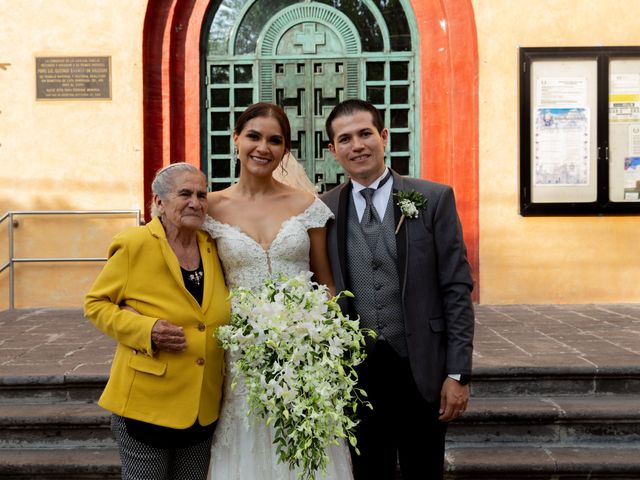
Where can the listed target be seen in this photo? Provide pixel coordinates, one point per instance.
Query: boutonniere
(410, 203)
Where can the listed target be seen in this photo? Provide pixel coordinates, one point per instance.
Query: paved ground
(43, 342)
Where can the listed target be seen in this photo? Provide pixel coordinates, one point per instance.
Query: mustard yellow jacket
(168, 389)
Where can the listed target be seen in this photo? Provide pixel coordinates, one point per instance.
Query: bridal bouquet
(296, 356)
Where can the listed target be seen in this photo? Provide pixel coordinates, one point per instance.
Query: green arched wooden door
(306, 57)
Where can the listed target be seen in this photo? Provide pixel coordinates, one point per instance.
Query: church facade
(96, 96)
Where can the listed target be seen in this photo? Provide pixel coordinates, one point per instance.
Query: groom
(412, 286)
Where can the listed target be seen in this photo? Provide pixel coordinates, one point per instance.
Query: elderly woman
(166, 379)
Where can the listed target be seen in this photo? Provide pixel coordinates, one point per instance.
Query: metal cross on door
(307, 70)
(306, 99)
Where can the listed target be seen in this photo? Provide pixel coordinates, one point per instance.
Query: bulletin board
(624, 130)
(580, 131)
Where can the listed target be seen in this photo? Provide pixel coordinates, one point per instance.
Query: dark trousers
(144, 462)
(402, 425)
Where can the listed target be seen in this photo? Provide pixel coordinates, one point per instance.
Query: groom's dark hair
(349, 107)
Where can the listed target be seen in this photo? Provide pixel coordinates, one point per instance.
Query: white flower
(410, 203)
(408, 208)
(297, 354)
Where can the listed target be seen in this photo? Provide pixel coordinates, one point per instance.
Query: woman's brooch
(410, 203)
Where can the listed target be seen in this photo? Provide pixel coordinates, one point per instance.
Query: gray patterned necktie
(370, 222)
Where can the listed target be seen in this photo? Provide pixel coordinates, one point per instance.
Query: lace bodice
(246, 263)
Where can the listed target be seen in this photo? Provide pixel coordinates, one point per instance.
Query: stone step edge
(538, 408)
(631, 370)
(59, 460)
(601, 458)
(36, 381)
(561, 408)
(463, 459)
(480, 374)
(61, 414)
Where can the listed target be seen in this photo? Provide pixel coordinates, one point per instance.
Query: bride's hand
(332, 291)
(124, 306)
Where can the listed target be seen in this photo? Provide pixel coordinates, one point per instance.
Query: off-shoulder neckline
(239, 230)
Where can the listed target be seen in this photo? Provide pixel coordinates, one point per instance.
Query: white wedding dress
(243, 446)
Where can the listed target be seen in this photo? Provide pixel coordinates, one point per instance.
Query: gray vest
(373, 279)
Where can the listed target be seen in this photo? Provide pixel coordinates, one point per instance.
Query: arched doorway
(307, 56)
(446, 82)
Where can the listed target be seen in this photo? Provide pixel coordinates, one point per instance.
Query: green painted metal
(307, 56)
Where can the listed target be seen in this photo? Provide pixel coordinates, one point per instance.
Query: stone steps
(47, 389)
(60, 464)
(544, 462)
(516, 381)
(560, 419)
(58, 425)
(52, 429)
(547, 419)
(532, 416)
(548, 424)
(533, 431)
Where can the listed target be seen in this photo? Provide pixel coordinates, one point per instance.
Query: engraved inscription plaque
(73, 78)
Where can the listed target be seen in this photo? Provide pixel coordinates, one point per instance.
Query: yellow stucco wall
(71, 155)
(88, 154)
(544, 260)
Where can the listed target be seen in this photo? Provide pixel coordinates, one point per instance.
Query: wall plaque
(73, 78)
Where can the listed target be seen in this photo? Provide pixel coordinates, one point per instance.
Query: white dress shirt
(380, 196)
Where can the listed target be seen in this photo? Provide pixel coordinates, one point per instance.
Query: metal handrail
(13, 260)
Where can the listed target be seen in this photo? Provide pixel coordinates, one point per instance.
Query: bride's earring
(234, 160)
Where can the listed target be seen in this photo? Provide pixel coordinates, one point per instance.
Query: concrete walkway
(59, 342)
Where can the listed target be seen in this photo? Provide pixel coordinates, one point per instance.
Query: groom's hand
(453, 400)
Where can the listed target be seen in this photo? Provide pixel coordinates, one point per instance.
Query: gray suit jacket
(435, 279)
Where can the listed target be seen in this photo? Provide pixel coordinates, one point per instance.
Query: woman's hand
(164, 335)
(168, 337)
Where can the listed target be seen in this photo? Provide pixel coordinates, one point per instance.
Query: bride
(263, 226)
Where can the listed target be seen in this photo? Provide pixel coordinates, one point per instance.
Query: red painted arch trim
(448, 108)
(156, 92)
(171, 84)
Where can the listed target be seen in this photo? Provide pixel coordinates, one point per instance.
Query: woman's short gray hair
(163, 182)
